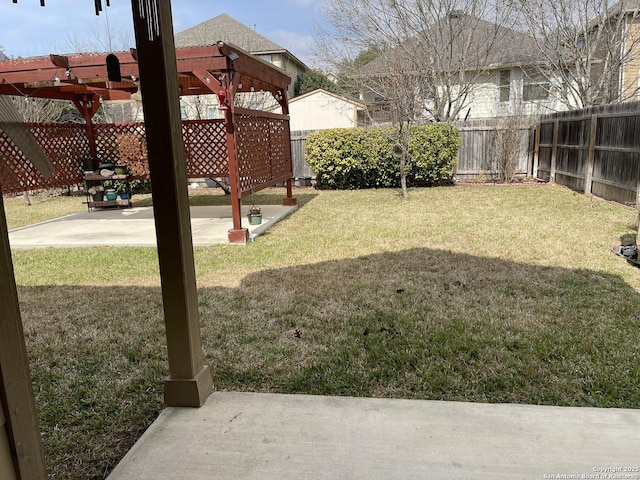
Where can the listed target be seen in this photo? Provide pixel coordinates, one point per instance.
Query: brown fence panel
(597, 151)
(476, 155)
(572, 151)
(298, 150)
(614, 176)
(617, 158)
(484, 142)
(545, 150)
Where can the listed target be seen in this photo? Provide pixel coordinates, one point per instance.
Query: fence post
(591, 153)
(536, 150)
(554, 151)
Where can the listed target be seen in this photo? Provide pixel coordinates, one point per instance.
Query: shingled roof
(485, 45)
(229, 30)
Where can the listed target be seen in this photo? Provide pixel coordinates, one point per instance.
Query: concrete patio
(244, 436)
(135, 227)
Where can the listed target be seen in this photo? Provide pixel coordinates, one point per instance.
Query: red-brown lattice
(205, 147)
(263, 151)
(262, 142)
(65, 145)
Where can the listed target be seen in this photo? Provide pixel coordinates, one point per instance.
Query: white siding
(320, 111)
(482, 100)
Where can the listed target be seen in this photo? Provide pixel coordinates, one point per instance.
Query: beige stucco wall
(631, 71)
(6, 464)
(290, 67)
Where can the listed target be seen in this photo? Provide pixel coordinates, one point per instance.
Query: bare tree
(432, 55)
(111, 37)
(589, 44)
(443, 47)
(511, 134)
(44, 110)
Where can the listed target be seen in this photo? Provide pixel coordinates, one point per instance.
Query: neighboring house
(506, 79)
(627, 81)
(321, 109)
(3, 57)
(227, 29)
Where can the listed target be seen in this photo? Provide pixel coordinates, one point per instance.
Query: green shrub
(433, 151)
(356, 158)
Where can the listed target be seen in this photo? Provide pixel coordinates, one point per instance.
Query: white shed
(322, 109)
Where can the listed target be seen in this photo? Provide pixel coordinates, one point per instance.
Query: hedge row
(354, 158)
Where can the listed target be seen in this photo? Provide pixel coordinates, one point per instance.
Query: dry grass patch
(43, 207)
(473, 294)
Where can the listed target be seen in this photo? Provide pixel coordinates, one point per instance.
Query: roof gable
(329, 94)
(229, 30)
(468, 47)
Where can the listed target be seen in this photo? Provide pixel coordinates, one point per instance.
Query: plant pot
(98, 196)
(111, 195)
(120, 170)
(124, 196)
(255, 218)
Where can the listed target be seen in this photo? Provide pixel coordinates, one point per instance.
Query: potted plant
(120, 188)
(255, 215)
(97, 193)
(111, 194)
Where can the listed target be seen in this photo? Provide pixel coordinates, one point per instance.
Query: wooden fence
(595, 151)
(298, 150)
(495, 148)
(481, 148)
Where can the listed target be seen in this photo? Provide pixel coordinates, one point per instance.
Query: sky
(66, 26)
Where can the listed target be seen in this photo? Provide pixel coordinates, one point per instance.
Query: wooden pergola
(224, 70)
(162, 77)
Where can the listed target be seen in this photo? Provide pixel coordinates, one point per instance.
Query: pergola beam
(89, 70)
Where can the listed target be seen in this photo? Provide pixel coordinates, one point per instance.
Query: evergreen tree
(312, 80)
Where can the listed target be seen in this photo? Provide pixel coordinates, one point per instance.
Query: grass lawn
(485, 294)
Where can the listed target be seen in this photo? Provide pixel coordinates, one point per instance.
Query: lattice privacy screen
(263, 145)
(264, 151)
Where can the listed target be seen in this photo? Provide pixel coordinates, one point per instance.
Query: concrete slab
(135, 227)
(244, 436)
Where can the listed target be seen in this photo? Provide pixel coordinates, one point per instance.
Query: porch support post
(189, 382)
(16, 391)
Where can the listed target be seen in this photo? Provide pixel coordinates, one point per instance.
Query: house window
(505, 85)
(535, 86)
